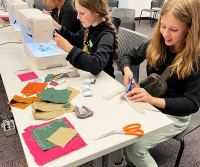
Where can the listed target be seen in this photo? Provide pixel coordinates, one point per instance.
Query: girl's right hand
(127, 76)
(45, 12)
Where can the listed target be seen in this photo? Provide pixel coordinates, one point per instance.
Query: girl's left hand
(62, 43)
(139, 94)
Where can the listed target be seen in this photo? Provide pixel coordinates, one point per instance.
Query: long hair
(100, 7)
(187, 59)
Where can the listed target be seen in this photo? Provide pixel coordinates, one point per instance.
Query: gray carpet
(12, 155)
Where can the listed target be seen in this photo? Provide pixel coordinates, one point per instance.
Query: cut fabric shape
(26, 74)
(66, 105)
(21, 102)
(73, 68)
(42, 133)
(49, 77)
(87, 92)
(62, 136)
(34, 87)
(70, 74)
(54, 83)
(73, 94)
(115, 93)
(88, 113)
(26, 70)
(56, 96)
(82, 111)
(139, 106)
(42, 157)
(40, 80)
(46, 111)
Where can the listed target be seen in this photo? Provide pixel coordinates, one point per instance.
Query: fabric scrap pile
(51, 140)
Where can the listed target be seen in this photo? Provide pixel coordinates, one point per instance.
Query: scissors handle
(130, 85)
(132, 126)
(137, 132)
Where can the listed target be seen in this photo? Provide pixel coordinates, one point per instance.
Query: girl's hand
(140, 94)
(127, 76)
(45, 12)
(56, 25)
(62, 43)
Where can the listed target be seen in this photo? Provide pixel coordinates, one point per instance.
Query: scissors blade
(122, 97)
(105, 135)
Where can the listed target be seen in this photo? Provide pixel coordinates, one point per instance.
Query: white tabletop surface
(108, 115)
(3, 14)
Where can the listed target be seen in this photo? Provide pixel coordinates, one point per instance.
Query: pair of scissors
(132, 129)
(127, 89)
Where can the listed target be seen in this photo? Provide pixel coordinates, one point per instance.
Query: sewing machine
(13, 6)
(37, 33)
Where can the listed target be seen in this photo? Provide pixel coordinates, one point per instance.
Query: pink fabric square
(42, 157)
(27, 76)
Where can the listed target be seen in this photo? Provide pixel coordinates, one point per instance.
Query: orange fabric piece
(34, 87)
(28, 94)
(54, 83)
(36, 99)
(21, 102)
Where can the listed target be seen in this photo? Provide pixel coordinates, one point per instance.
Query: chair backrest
(157, 3)
(128, 40)
(127, 17)
(113, 3)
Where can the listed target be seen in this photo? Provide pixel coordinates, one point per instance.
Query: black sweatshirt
(67, 17)
(100, 54)
(183, 96)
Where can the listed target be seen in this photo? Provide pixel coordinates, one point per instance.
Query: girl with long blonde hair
(95, 47)
(175, 44)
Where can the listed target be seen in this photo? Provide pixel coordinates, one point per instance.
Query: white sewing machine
(13, 6)
(37, 32)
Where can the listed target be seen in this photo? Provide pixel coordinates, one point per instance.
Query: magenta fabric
(27, 76)
(42, 157)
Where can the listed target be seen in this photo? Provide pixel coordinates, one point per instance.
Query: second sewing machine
(37, 32)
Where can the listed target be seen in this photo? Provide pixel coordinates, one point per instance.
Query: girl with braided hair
(95, 46)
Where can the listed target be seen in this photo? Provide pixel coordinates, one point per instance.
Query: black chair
(194, 124)
(128, 39)
(113, 3)
(127, 17)
(156, 6)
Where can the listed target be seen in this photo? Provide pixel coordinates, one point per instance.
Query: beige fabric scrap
(73, 68)
(115, 93)
(26, 70)
(73, 94)
(46, 111)
(139, 106)
(62, 136)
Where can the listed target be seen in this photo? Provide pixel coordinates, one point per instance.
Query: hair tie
(85, 43)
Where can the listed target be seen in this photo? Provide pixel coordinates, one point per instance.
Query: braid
(85, 49)
(110, 24)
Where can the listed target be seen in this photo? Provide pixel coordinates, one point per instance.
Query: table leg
(109, 160)
(97, 162)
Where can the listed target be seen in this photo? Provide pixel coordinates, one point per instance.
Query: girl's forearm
(158, 102)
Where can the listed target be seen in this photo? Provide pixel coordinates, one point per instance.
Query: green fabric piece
(48, 77)
(42, 133)
(56, 96)
(66, 105)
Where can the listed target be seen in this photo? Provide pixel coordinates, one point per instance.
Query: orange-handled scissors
(132, 129)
